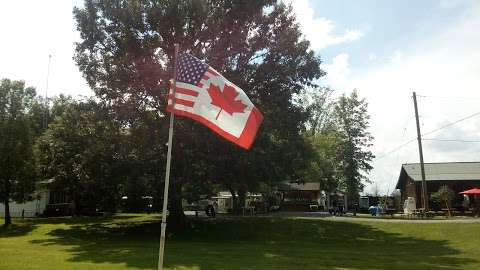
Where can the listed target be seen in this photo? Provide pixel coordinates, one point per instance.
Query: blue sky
(385, 49)
(387, 26)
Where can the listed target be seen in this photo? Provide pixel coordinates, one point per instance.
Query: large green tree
(323, 166)
(354, 154)
(126, 53)
(321, 134)
(16, 141)
(320, 105)
(80, 153)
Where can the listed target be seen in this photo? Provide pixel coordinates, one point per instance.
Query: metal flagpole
(161, 250)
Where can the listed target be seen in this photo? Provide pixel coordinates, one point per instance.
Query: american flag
(190, 71)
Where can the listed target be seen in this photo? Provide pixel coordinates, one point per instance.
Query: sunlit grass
(131, 242)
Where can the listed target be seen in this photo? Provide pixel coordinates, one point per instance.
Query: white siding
(32, 208)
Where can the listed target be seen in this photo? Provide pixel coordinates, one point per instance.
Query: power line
(453, 140)
(451, 124)
(404, 128)
(395, 149)
(449, 97)
(430, 132)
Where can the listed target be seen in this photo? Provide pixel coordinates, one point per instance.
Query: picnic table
(389, 211)
(421, 213)
(381, 211)
(248, 210)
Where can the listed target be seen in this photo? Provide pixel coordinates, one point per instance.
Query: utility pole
(420, 151)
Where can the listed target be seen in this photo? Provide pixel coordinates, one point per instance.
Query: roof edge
(448, 162)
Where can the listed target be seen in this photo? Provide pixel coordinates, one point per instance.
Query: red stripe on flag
(184, 102)
(205, 77)
(246, 138)
(186, 91)
(180, 101)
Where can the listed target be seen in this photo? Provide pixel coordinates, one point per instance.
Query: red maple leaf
(225, 99)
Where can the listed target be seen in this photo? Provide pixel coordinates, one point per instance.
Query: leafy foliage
(322, 136)
(338, 132)
(321, 110)
(16, 140)
(354, 156)
(79, 152)
(323, 166)
(125, 53)
(444, 195)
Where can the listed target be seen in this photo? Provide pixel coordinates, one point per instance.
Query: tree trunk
(235, 204)
(8, 218)
(176, 217)
(76, 205)
(352, 193)
(242, 196)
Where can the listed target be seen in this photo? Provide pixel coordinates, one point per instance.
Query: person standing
(465, 203)
(476, 207)
(210, 210)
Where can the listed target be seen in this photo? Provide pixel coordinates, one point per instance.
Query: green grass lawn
(131, 242)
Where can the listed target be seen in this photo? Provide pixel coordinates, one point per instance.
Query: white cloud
(439, 66)
(338, 71)
(397, 57)
(319, 30)
(32, 30)
(449, 4)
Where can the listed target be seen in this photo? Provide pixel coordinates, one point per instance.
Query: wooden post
(420, 151)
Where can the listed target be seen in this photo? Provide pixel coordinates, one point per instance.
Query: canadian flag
(206, 96)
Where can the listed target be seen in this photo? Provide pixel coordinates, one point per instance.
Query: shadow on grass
(21, 227)
(15, 230)
(83, 220)
(257, 243)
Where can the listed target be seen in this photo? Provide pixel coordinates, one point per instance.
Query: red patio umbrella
(471, 191)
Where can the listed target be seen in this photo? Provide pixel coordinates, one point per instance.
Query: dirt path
(399, 220)
(369, 218)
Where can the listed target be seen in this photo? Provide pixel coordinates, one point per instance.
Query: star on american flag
(190, 69)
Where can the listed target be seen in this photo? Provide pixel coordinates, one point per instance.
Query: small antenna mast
(45, 117)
